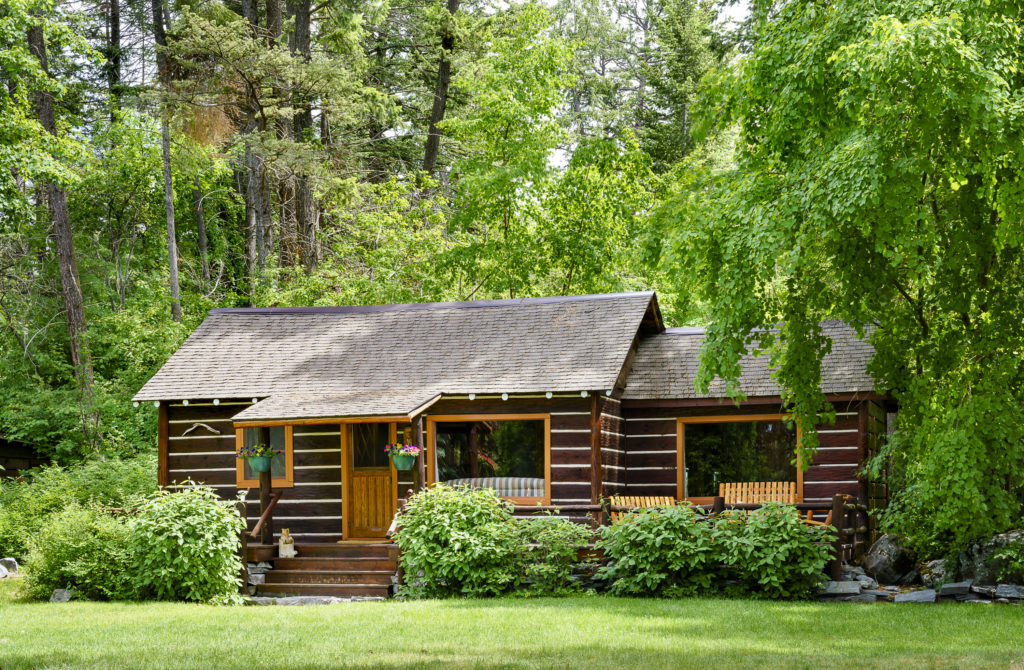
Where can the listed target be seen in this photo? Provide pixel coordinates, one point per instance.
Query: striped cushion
(505, 487)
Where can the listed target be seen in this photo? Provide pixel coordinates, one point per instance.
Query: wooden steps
(349, 569)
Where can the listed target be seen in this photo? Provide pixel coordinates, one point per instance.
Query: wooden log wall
(650, 448)
(613, 448)
(15, 457)
(200, 446)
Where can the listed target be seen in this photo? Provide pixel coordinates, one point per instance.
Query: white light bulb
(548, 395)
(504, 396)
(583, 394)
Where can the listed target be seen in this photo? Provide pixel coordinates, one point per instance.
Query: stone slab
(10, 564)
(956, 588)
(60, 596)
(1011, 591)
(840, 589)
(922, 596)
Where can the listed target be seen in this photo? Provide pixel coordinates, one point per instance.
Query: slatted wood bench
(639, 501)
(758, 492)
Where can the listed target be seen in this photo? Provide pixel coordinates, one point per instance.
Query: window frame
(288, 481)
(681, 423)
(432, 422)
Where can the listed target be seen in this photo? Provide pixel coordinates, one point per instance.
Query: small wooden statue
(286, 545)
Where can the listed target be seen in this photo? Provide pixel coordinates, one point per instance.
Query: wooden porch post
(421, 459)
(267, 532)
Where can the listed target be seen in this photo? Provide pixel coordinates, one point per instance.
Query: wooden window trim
(432, 421)
(681, 423)
(286, 482)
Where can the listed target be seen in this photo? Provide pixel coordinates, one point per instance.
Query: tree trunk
(197, 197)
(444, 76)
(64, 241)
(306, 215)
(165, 145)
(274, 21)
(114, 54)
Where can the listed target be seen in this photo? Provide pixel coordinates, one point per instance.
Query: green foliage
(677, 551)
(83, 549)
(185, 546)
(25, 506)
(552, 546)
(667, 552)
(878, 181)
(458, 541)
(1010, 559)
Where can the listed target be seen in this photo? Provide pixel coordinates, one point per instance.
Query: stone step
(339, 590)
(378, 577)
(352, 564)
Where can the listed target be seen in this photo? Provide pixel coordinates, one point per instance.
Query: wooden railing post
(839, 522)
(717, 505)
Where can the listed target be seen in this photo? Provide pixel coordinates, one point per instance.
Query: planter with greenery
(403, 456)
(259, 456)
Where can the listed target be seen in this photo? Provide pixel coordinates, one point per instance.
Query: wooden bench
(758, 492)
(639, 501)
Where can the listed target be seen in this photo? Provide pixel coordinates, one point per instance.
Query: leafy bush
(1009, 561)
(771, 552)
(83, 549)
(666, 552)
(678, 551)
(458, 541)
(25, 505)
(185, 546)
(551, 547)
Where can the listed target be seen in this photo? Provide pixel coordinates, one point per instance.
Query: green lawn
(593, 633)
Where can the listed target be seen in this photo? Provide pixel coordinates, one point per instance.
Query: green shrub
(24, 505)
(675, 551)
(1008, 561)
(551, 545)
(458, 541)
(771, 552)
(185, 546)
(83, 549)
(666, 552)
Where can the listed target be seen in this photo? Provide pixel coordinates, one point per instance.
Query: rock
(860, 598)
(1002, 601)
(257, 578)
(911, 578)
(310, 600)
(3, 572)
(60, 596)
(933, 572)
(923, 596)
(878, 593)
(985, 591)
(1010, 591)
(840, 589)
(867, 582)
(978, 561)
(888, 560)
(10, 564)
(892, 589)
(956, 589)
(258, 568)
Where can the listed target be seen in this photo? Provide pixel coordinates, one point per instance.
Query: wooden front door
(369, 503)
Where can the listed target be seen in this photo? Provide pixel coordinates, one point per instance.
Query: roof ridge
(465, 304)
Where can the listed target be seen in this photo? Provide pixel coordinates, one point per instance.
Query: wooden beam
(595, 451)
(162, 442)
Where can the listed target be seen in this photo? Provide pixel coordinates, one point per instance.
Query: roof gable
(666, 367)
(497, 346)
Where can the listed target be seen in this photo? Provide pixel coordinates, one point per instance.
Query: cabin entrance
(368, 481)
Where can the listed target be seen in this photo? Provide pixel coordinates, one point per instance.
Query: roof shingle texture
(317, 406)
(500, 346)
(666, 367)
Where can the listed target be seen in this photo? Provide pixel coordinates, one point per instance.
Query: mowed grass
(585, 632)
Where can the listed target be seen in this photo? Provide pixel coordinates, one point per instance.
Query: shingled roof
(528, 345)
(666, 367)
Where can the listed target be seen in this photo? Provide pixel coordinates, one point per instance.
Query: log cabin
(548, 401)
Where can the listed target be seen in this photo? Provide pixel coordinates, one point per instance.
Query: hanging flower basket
(260, 463)
(403, 456)
(259, 456)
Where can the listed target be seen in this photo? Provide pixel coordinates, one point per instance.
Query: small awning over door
(368, 404)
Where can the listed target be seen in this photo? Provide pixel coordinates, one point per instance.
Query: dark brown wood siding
(650, 447)
(201, 447)
(613, 451)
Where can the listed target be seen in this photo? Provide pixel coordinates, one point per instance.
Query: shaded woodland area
(170, 156)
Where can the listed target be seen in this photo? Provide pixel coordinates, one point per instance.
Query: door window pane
(368, 442)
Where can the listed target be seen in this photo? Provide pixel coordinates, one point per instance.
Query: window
(281, 468)
(509, 454)
(717, 450)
